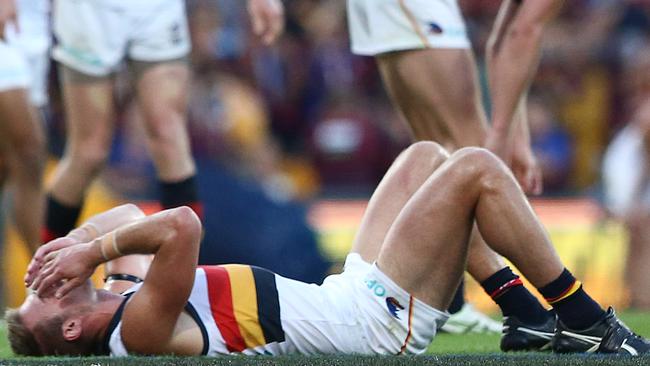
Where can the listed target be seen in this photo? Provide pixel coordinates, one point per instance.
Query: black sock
(573, 306)
(459, 299)
(507, 291)
(60, 219)
(181, 193)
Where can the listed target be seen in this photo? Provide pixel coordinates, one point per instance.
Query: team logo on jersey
(435, 28)
(393, 306)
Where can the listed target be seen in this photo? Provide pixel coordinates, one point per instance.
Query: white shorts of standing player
(24, 53)
(381, 26)
(95, 36)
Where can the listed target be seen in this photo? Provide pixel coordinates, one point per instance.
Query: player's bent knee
(425, 150)
(480, 156)
(477, 162)
(493, 174)
(472, 156)
(429, 148)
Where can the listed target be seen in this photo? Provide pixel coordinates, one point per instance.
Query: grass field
(456, 350)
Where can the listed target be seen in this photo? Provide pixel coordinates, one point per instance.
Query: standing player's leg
(23, 150)
(159, 54)
(90, 45)
(22, 140)
(162, 95)
(88, 103)
(437, 91)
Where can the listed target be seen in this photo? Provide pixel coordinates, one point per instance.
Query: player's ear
(71, 328)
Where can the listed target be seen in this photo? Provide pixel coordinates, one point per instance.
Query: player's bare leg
(438, 93)
(90, 124)
(425, 249)
(403, 179)
(162, 95)
(23, 149)
(427, 256)
(409, 172)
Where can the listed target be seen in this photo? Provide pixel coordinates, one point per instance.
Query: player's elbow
(185, 224)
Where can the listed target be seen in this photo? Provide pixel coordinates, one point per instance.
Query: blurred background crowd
(281, 127)
(307, 118)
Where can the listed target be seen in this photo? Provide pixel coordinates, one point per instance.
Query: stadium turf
(459, 350)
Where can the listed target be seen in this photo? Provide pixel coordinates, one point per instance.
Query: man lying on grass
(404, 267)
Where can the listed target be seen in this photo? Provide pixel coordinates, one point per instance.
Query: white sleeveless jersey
(235, 306)
(249, 310)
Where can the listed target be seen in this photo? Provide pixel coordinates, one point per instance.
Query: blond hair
(21, 339)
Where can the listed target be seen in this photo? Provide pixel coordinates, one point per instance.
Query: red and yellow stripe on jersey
(244, 304)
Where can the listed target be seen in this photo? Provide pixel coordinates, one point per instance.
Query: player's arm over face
(91, 229)
(151, 314)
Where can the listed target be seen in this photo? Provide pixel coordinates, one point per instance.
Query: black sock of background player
(507, 291)
(181, 193)
(59, 220)
(459, 299)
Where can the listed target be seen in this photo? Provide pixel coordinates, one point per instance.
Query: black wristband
(123, 277)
